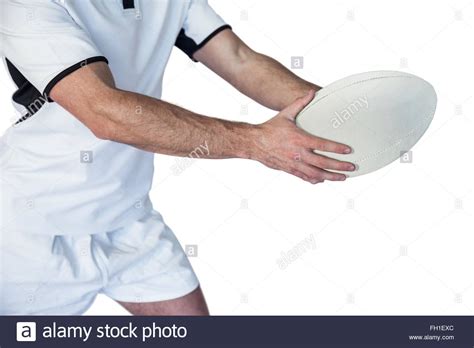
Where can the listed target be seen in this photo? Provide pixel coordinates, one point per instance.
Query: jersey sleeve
(201, 24)
(42, 44)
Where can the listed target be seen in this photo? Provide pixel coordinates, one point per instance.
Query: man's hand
(281, 145)
(278, 143)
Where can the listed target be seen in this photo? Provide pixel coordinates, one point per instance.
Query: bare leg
(193, 304)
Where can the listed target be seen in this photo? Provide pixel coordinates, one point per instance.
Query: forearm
(157, 126)
(270, 83)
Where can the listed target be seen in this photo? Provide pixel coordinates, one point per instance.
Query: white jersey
(56, 177)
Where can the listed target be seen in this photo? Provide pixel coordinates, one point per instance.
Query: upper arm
(202, 26)
(205, 37)
(225, 54)
(85, 93)
(49, 56)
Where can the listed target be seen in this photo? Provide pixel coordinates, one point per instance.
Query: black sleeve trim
(211, 36)
(69, 71)
(190, 47)
(128, 4)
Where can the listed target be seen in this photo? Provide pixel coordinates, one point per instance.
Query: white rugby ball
(380, 114)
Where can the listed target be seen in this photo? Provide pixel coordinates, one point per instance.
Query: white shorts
(61, 275)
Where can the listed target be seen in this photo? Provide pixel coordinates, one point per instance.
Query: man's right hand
(280, 144)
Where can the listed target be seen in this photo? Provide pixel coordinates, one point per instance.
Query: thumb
(298, 105)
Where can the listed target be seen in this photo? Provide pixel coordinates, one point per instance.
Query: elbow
(102, 127)
(101, 123)
(101, 132)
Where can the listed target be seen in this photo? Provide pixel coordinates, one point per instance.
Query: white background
(398, 241)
